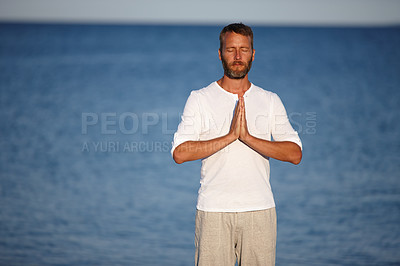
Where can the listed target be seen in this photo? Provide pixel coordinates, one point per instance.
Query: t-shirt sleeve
(190, 125)
(281, 129)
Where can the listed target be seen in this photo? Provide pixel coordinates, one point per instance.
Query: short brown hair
(238, 28)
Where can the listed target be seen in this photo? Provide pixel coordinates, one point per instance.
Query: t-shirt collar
(234, 95)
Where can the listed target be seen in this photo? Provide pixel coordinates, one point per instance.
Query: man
(229, 125)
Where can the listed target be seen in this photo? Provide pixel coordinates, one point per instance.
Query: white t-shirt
(236, 178)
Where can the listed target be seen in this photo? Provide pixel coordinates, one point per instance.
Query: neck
(236, 86)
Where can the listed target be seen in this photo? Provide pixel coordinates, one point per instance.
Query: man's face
(236, 55)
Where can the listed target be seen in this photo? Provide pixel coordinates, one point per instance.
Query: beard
(230, 72)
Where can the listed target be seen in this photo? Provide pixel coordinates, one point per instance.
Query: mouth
(237, 64)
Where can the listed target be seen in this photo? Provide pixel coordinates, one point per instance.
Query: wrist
(247, 138)
(230, 137)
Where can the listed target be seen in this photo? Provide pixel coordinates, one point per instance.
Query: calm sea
(87, 114)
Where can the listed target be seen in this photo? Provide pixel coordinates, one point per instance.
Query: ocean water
(87, 115)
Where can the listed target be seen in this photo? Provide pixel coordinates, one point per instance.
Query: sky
(254, 12)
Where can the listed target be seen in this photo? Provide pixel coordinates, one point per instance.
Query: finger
(239, 105)
(237, 109)
(239, 114)
(243, 116)
(242, 106)
(235, 126)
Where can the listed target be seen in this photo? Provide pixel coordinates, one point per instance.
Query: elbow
(296, 159)
(177, 157)
(178, 161)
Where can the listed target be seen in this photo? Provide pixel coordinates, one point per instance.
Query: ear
(254, 52)
(219, 54)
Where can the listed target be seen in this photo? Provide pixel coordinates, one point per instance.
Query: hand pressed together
(280, 150)
(239, 123)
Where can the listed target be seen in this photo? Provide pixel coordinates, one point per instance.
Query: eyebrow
(248, 47)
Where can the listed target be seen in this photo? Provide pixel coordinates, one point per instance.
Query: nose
(237, 55)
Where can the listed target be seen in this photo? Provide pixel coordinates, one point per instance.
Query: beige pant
(223, 237)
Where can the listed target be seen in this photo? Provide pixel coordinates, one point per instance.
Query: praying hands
(239, 124)
(280, 150)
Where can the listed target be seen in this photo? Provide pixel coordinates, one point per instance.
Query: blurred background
(91, 93)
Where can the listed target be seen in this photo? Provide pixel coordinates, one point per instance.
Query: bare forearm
(194, 150)
(281, 150)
